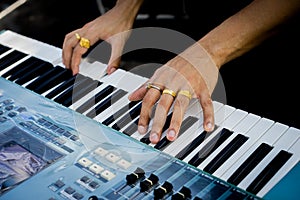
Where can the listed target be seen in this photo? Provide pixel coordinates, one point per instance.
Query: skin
(229, 40)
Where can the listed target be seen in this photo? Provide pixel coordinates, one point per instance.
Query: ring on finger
(185, 93)
(151, 85)
(170, 92)
(77, 36)
(84, 43)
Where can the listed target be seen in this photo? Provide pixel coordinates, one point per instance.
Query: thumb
(138, 94)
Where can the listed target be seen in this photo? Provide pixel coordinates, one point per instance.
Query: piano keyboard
(249, 152)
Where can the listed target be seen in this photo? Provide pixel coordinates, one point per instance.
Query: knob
(135, 176)
(162, 190)
(184, 193)
(148, 183)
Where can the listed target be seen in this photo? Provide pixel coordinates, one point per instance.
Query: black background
(264, 81)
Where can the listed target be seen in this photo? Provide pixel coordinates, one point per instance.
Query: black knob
(162, 190)
(93, 197)
(135, 176)
(184, 193)
(148, 183)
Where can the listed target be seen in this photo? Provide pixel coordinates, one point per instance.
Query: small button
(107, 175)
(94, 184)
(112, 157)
(85, 179)
(96, 168)
(59, 184)
(69, 190)
(85, 162)
(123, 164)
(100, 151)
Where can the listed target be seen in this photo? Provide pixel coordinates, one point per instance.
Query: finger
(139, 93)
(160, 116)
(208, 112)
(78, 51)
(149, 100)
(180, 105)
(69, 43)
(115, 58)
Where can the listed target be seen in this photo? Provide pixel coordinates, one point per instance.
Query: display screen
(22, 156)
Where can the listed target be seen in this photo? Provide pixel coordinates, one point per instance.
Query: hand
(194, 71)
(112, 27)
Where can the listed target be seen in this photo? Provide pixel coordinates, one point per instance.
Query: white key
(30, 46)
(234, 119)
(14, 65)
(222, 114)
(295, 150)
(260, 125)
(283, 143)
(190, 134)
(243, 126)
(269, 138)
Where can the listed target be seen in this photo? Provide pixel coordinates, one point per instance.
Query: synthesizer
(74, 137)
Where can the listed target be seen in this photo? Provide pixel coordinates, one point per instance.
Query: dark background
(264, 81)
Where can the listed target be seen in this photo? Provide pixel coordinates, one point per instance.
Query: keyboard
(245, 157)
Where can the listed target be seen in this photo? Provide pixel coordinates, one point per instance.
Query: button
(96, 168)
(100, 151)
(107, 175)
(123, 164)
(69, 190)
(112, 157)
(59, 184)
(85, 162)
(94, 184)
(78, 196)
(85, 179)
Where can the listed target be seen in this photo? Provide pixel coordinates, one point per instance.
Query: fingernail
(142, 129)
(112, 70)
(171, 134)
(209, 126)
(153, 137)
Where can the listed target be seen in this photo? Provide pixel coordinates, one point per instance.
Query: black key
(95, 99)
(76, 90)
(10, 59)
(80, 90)
(132, 128)
(269, 171)
(49, 79)
(21, 68)
(120, 112)
(190, 147)
(186, 124)
(146, 139)
(106, 103)
(210, 147)
(128, 118)
(223, 155)
(61, 87)
(249, 164)
(34, 72)
(3, 49)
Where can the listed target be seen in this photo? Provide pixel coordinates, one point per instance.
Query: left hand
(193, 71)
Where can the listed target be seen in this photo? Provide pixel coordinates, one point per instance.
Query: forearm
(129, 7)
(247, 28)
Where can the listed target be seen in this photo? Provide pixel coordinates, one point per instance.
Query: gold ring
(170, 92)
(151, 85)
(84, 43)
(185, 93)
(77, 36)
